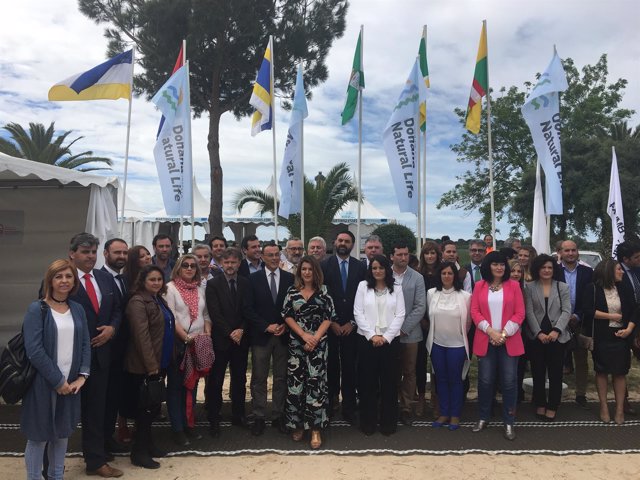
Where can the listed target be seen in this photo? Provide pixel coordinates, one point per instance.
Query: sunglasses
(188, 266)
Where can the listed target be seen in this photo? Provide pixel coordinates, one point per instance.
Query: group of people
(337, 334)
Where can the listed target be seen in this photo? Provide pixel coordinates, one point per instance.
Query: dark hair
(83, 239)
(537, 264)
(388, 273)
(245, 241)
(57, 266)
(318, 277)
(604, 275)
(477, 241)
(414, 263)
(627, 249)
(231, 252)
(398, 246)
(138, 286)
(131, 268)
(347, 232)
(161, 236)
(218, 237)
(457, 283)
(108, 243)
(494, 257)
(427, 247)
(448, 242)
(271, 244)
(508, 252)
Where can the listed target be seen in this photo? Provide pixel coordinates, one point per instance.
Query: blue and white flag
(292, 167)
(541, 111)
(261, 100)
(399, 139)
(614, 205)
(173, 145)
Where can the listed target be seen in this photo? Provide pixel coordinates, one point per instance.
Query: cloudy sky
(46, 41)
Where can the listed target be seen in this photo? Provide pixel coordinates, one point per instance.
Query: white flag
(614, 205)
(291, 173)
(399, 139)
(541, 111)
(173, 145)
(539, 230)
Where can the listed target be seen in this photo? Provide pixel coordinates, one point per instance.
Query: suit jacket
(594, 299)
(559, 309)
(512, 309)
(244, 271)
(109, 313)
(121, 338)
(469, 269)
(343, 301)
(263, 311)
(225, 314)
(415, 306)
(627, 283)
(585, 274)
(366, 312)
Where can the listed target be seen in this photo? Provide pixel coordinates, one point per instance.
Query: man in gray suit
(415, 301)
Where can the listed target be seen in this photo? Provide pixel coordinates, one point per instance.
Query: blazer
(626, 281)
(584, 277)
(365, 311)
(109, 313)
(263, 311)
(343, 301)
(594, 299)
(512, 309)
(559, 309)
(225, 314)
(415, 306)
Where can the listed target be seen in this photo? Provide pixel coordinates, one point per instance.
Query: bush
(393, 233)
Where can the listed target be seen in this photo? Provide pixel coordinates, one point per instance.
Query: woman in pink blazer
(497, 309)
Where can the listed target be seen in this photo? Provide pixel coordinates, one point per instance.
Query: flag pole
(360, 145)
(193, 176)
(555, 51)
(302, 177)
(419, 218)
(424, 159)
(493, 210)
(126, 148)
(273, 135)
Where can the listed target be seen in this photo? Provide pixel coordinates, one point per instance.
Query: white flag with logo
(399, 139)
(614, 205)
(541, 111)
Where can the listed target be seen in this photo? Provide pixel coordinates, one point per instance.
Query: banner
(399, 139)
(173, 146)
(614, 205)
(292, 167)
(541, 111)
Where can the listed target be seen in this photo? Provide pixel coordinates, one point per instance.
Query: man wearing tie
(100, 297)
(269, 339)
(342, 274)
(477, 252)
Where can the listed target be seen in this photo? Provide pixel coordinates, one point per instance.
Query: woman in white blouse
(379, 313)
(450, 320)
(185, 297)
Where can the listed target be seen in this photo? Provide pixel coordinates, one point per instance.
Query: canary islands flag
(261, 96)
(109, 80)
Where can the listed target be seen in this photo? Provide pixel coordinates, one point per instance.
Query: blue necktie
(343, 275)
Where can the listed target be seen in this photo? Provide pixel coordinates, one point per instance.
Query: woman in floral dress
(308, 312)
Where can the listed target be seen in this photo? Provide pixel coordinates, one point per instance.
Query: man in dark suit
(477, 252)
(628, 254)
(229, 302)
(100, 297)
(252, 256)
(372, 247)
(577, 276)
(269, 339)
(342, 274)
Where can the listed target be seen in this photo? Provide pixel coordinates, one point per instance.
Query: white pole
(360, 145)
(273, 134)
(193, 177)
(424, 184)
(419, 210)
(493, 210)
(126, 149)
(302, 179)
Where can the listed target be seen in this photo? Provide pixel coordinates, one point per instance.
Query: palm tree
(40, 146)
(322, 201)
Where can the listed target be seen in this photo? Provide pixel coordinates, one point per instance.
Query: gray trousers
(274, 353)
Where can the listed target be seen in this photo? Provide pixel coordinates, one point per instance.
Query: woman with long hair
(137, 257)
(149, 353)
(497, 309)
(186, 299)
(526, 254)
(610, 316)
(379, 311)
(308, 312)
(56, 340)
(448, 306)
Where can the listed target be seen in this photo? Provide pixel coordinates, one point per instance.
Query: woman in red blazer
(497, 309)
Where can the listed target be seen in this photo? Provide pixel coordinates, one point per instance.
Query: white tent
(41, 208)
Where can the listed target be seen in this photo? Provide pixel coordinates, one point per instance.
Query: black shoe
(240, 421)
(582, 401)
(156, 452)
(180, 439)
(281, 424)
(192, 433)
(405, 418)
(214, 430)
(144, 461)
(257, 428)
(111, 445)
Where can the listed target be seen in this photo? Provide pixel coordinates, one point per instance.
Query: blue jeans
(498, 363)
(177, 398)
(448, 363)
(34, 452)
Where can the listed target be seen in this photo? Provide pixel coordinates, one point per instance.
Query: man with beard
(217, 245)
(162, 249)
(342, 274)
(293, 253)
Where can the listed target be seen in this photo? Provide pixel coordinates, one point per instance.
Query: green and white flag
(356, 83)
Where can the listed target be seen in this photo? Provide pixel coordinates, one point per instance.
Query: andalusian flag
(480, 85)
(424, 70)
(356, 83)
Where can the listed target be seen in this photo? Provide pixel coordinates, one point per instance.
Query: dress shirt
(81, 274)
(253, 268)
(398, 277)
(571, 278)
(276, 274)
(114, 274)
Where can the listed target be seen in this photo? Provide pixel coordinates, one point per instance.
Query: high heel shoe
(297, 435)
(509, 432)
(454, 423)
(479, 426)
(440, 422)
(316, 439)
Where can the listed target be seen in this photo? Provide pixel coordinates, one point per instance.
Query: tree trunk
(215, 202)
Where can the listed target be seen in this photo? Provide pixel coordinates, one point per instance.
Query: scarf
(189, 294)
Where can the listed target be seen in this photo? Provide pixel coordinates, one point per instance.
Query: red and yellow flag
(480, 85)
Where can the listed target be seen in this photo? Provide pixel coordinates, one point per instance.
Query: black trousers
(93, 404)
(378, 385)
(142, 440)
(341, 373)
(236, 358)
(546, 360)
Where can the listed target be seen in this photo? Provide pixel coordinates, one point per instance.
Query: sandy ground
(266, 467)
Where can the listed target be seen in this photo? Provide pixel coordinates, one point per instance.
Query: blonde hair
(175, 273)
(56, 267)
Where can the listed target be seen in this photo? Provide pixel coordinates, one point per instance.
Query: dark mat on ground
(577, 431)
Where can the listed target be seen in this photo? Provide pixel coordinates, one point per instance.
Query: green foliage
(39, 145)
(591, 121)
(322, 201)
(393, 233)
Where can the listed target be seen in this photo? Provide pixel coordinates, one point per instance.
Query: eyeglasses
(188, 266)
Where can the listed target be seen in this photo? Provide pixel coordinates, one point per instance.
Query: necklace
(59, 302)
(494, 287)
(380, 293)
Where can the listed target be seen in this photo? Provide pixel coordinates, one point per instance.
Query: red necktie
(91, 291)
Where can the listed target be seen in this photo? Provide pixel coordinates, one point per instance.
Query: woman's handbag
(152, 392)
